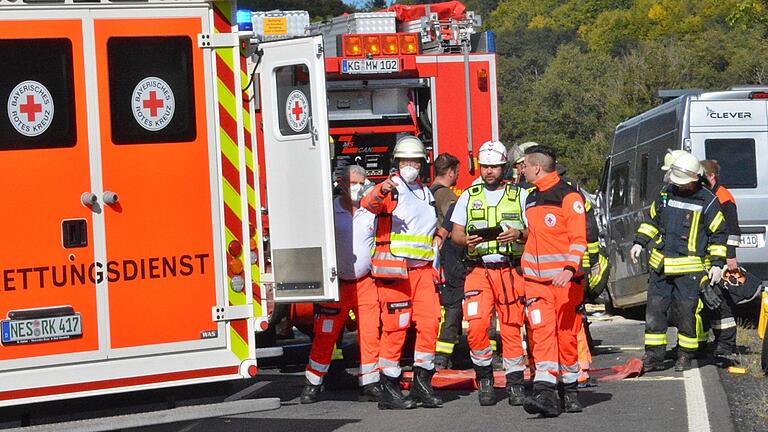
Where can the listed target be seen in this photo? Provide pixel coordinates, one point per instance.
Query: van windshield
(736, 157)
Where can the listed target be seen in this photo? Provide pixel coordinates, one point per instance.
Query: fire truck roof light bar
(87, 2)
(377, 84)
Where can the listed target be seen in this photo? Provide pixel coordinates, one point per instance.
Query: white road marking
(654, 378)
(622, 347)
(695, 401)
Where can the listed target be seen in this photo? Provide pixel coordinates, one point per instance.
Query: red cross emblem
(550, 220)
(153, 103)
(297, 110)
(30, 108)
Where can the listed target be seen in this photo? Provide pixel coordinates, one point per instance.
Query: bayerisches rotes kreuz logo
(30, 108)
(550, 220)
(297, 110)
(153, 103)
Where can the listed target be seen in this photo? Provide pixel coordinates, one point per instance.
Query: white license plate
(41, 329)
(370, 66)
(749, 241)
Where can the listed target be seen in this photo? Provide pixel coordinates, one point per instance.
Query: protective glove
(711, 295)
(635, 252)
(715, 275)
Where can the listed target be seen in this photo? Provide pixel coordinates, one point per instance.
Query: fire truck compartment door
(298, 170)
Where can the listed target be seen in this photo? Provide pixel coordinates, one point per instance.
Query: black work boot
(338, 378)
(484, 379)
(544, 402)
(683, 362)
(651, 363)
(515, 388)
(571, 402)
(310, 393)
(391, 395)
(370, 392)
(422, 391)
(442, 361)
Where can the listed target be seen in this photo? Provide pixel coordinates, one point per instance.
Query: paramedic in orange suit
(402, 265)
(354, 229)
(493, 282)
(556, 242)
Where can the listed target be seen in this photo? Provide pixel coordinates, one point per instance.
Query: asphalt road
(660, 401)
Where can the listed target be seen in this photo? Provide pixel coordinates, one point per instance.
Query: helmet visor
(680, 176)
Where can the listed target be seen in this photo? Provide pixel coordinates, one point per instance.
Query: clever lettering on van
(72, 274)
(728, 114)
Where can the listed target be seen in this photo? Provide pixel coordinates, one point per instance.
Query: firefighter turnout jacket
(682, 229)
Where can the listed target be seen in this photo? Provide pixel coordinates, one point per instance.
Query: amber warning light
(378, 44)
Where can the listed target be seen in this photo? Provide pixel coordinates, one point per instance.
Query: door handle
(110, 197)
(89, 199)
(313, 131)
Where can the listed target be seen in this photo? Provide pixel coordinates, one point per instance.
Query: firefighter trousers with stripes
(671, 299)
(721, 322)
(551, 318)
(360, 296)
(404, 301)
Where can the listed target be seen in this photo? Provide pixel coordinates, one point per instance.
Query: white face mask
(409, 174)
(356, 192)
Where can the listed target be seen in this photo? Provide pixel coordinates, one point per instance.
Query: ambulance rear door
(298, 170)
(158, 163)
(48, 279)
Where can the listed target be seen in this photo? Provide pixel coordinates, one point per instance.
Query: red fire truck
(421, 69)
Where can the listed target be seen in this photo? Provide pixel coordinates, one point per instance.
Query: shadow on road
(252, 424)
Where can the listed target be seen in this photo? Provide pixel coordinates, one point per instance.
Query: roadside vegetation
(570, 70)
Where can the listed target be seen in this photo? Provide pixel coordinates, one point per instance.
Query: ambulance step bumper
(187, 413)
(269, 352)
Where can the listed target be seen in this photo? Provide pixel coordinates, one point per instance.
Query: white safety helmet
(517, 154)
(492, 153)
(409, 147)
(670, 157)
(685, 169)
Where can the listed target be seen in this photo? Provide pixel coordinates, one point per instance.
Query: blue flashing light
(243, 19)
(491, 41)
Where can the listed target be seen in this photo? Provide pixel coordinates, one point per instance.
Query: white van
(730, 126)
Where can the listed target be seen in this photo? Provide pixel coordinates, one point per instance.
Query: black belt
(496, 265)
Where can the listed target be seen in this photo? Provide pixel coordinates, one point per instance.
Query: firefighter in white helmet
(684, 225)
(670, 157)
(489, 220)
(405, 277)
(516, 156)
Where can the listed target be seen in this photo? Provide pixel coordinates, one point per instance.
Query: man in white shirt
(354, 229)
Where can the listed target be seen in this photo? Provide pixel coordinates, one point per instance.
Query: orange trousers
(402, 301)
(500, 289)
(551, 313)
(362, 297)
(585, 357)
